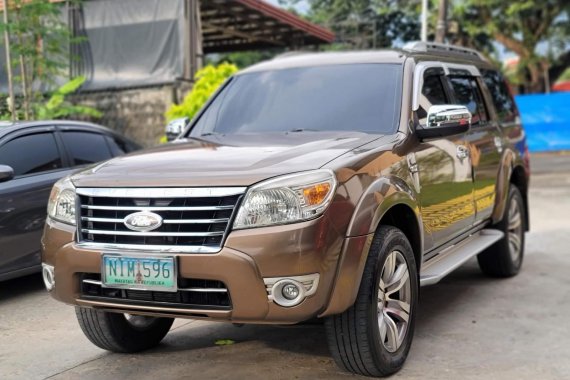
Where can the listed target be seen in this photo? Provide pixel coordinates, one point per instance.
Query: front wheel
(123, 333)
(374, 336)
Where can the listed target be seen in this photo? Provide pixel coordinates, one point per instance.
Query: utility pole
(424, 20)
(441, 22)
(12, 105)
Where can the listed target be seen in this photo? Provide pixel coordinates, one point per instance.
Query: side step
(454, 256)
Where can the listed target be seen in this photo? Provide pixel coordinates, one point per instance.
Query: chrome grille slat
(195, 220)
(166, 221)
(135, 233)
(135, 208)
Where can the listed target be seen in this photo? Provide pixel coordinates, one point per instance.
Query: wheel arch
(398, 208)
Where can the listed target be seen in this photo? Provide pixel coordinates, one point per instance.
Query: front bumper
(247, 260)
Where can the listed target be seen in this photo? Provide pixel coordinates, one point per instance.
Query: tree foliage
(57, 107)
(207, 81)
(365, 24)
(39, 42)
(520, 27)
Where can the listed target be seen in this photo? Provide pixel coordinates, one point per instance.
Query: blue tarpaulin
(546, 119)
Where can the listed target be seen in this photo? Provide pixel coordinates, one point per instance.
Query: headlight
(61, 205)
(288, 199)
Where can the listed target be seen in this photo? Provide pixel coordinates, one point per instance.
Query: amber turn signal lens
(316, 194)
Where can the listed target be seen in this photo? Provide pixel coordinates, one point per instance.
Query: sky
(302, 7)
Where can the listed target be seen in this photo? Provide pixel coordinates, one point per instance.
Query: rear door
(484, 142)
(36, 158)
(85, 147)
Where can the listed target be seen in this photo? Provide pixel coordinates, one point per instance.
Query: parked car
(329, 185)
(33, 156)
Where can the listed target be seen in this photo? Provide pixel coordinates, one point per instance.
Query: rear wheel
(122, 332)
(505, 257)
(374, 336)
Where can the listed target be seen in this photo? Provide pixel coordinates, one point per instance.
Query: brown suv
(328, 185)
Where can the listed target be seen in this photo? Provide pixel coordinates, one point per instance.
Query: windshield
(355, 97)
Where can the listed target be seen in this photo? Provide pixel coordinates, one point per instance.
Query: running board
(454, 256)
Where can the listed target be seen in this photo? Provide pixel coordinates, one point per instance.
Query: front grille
(191, 294)
(196, 217)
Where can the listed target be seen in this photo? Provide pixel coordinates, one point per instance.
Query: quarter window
(468, 94)
(31, 154)
(86, 148)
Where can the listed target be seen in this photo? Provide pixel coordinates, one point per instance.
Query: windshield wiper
(302, 130)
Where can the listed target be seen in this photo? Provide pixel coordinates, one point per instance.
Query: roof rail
(433, 47)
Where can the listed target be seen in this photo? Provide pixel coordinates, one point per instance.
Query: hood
(236, 160)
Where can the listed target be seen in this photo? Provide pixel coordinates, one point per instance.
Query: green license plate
(140, 273)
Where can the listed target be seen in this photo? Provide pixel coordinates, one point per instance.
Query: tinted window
(432, 94)
(502, 99)
(86, 148)
(363, 97)
(468, 94)
(119, 146)
(31, 154)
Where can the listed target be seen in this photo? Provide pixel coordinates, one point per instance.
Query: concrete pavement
(469, 326)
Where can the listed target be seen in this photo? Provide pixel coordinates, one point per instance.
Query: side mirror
(175, 128)
(444, 121)
(6, 173)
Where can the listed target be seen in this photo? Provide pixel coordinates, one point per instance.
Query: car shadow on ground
(310, 338)
(21, 286)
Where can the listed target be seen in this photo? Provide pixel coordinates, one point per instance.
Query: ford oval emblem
(143, 221)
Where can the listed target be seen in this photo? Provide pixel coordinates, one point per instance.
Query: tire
(354, 337)
(505, 257)
(122, 333)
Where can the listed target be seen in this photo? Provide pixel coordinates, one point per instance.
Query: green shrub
(56, 107)
(207, 81)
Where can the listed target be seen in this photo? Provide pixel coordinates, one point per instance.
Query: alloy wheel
(515, 231)
(394, 300)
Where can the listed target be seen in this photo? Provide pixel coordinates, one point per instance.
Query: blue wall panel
(546, 118)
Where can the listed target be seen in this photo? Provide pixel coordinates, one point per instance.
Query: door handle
(462, 152)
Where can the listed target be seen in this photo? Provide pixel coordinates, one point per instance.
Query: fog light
(290, 291)
(48, 276)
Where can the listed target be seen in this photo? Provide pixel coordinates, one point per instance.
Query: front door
(445, 172)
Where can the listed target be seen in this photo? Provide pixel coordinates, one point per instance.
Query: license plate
(139, 273)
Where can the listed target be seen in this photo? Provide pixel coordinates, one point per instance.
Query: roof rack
(433, 47)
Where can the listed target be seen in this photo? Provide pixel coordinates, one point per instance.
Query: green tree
(365, 24)
(57, 107)
(207, 81)
(39, 40)
(520, 27)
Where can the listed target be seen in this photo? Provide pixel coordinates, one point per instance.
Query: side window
(85, 148)
(432, 93)
(468, 94)
(31, 154)
(118, 146)
(502, 99)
